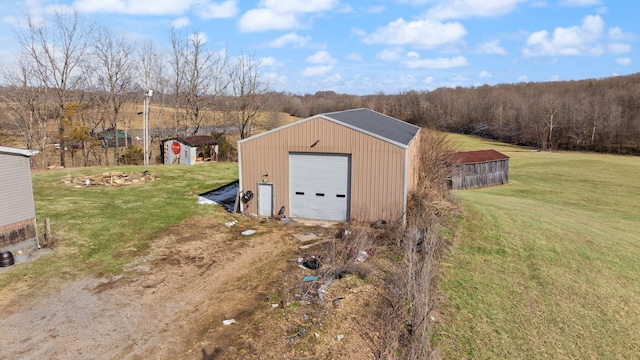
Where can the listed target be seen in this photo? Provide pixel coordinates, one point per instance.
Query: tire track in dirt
(161, 308)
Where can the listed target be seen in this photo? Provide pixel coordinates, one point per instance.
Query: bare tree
(59, 51)
(29, 105)
(152, 72)
(247, 93)
(198, 78)
(114, 55)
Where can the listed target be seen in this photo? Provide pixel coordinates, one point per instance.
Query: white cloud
(317, 70)
(485, 74)
(274, 79)
(428, 80)
(492, 47)
(133, 7)
(268, 61)
(580, 2)
(391, 54)
(413, 55)
(439, 63)
(358, 32)
(324, 63)
(619, 48)
(623, 61)
(616, 34)
(575, 40)
(290, 38)
(282, 14)
(523, 78)
(376, 9)
(227, 9)
(266, 19)
(321, 57)
(299, 6)
(420, 33)
(180, 22)
(354, 56)
(205, 8)
(199, 37)
(459, 9)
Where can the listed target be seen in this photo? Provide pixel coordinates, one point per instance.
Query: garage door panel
(319, 186)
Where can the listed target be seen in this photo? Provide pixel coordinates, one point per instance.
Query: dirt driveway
(169, 304)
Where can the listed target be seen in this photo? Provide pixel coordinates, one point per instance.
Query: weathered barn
(17, 211)
(189, 150)
(340, 166)
(474, 169)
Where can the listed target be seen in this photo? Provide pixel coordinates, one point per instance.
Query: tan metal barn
(17, 212)
(348, 165)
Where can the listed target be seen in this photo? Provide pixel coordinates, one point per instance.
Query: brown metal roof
(197, 140)
(478, 156)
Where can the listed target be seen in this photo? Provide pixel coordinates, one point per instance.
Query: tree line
(73, 79)
(600, 115)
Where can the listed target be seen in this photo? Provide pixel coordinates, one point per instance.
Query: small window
(299, 193)
(319, 194)
(341, 195)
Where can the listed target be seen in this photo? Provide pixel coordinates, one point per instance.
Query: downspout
(404, 186)
(240, 206)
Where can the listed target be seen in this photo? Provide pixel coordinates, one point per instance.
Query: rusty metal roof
(197, 140)
(478, 156)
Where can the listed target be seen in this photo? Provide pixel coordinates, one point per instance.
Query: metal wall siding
(377, 167)
(16, 194)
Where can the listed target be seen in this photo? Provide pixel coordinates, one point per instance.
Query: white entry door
(319, 186)
(265, 199)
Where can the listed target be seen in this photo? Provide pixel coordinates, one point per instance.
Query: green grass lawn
(99, 229)
(547, 266)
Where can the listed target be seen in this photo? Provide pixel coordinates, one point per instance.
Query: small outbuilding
(189, 150)
(338, 166)
(481, 168)
(17, 211)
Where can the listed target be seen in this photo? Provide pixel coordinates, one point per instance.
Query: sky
(378, 46)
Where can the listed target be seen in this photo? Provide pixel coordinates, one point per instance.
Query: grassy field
(99, 229)
(547, 266)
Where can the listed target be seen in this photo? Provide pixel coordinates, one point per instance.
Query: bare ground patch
(169, 303)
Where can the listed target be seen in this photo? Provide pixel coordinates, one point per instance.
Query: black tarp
(224, 195)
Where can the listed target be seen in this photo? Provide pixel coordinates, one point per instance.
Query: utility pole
(145, 125)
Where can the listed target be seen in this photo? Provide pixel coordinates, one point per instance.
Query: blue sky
(365, 47)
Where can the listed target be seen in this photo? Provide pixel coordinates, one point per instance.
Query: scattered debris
(312, 263)
(230, 223)
(309, 246)
(228, 322)
(305, 238)
(362, 255)
(309, 278)
(342, 233)
(113, 178)
(335, 301)
(340, 337)
(248, 232)
(380, 224)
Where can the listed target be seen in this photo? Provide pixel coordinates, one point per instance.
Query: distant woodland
(594, 115)
(74, 85)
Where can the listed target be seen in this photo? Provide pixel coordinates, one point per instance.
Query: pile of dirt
(113, 178)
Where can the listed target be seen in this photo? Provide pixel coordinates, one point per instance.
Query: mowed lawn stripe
(546, 266)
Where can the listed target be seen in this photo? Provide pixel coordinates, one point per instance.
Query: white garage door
(319, 186)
